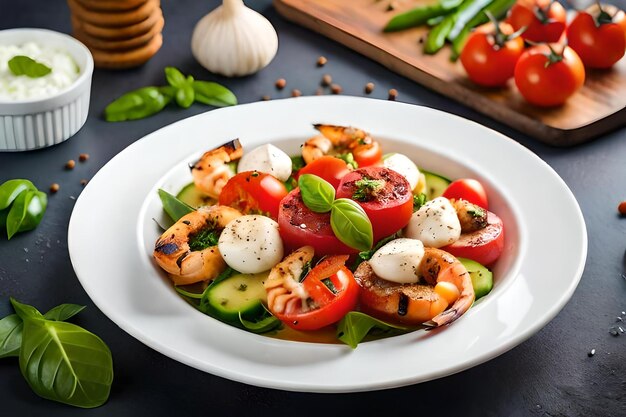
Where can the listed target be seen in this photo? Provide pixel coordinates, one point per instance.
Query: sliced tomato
(333, 292)
(483, 246)
(299, 226)
(467, 189)
(253, 192)
(327, 167)
(388, 202)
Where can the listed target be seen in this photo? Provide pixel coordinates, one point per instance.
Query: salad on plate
(341, 243)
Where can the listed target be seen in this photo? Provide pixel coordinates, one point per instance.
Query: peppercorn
(70, 164)
(393, 93)
(369, 87)
(296, 93)
(326, 80)
(54, 188)
(336, 89)
(281, 83)
(83, 157)
(622, 208)
(321, 61)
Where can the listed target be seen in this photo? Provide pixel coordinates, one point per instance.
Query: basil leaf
(26, 212)
(418, 201)
(173, 206)
(137, 104)
(174, 77)
(10, 189)
(213, 94)
(63, 362)
(188, 294)
(317, 193)
(355, 325)
(10, 336)
(63, 312)
(351, 225)
(23, 65)
(262, 324)
(185, 96)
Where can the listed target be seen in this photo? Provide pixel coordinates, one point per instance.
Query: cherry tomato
(467, 189)
(547, 79)
(387, 201)
(330, 304)
(489, 58)
(252, 192)
(483, 246)
(544, 20)
(597, 39)
(299, 226)
(367, 154)
(327, 167)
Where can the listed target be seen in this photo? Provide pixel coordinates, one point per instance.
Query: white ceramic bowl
(37, 123)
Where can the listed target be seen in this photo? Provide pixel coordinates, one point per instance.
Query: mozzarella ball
(251, 244)
(398, 260)
(403, 166)
(435, 224)
(268, 159)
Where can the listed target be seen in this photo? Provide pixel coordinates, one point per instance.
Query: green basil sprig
(347, 218)
(60, 361)
(23, 65)
(184, 90)
(173, 206)
(355, 325)
(22, 206)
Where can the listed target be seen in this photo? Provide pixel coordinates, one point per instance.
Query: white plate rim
(289, 375)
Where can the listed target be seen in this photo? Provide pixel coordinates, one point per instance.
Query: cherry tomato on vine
(546, 78)
(489, 56)
(597, 37)
(544, 20)
(253, 191)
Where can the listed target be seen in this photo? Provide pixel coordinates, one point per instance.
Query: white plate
(112, 234)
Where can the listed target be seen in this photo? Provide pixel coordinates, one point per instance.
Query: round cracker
(113, 19)
(121, 32)
(119, 44)
(111, 5)
(127, 59)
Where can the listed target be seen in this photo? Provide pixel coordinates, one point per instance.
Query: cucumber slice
(240, 293)
(482, 278)
(194, 197)
(435, 184)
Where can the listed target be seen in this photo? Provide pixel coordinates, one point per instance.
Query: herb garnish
(23, 65)
(205, 238)
(418, 201)
(476, 211)
(348, 158)
(367, 188)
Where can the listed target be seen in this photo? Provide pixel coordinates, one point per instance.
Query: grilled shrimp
(334, 139)
(284, 290)
(446, 294)
(187, 251)
(211, 172)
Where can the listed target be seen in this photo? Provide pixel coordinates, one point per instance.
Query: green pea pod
(434, 21)
(11, 189)
(213, 94)
(498, 9)
(437, 36)
(174, 77)
(465, 13)
(26, 212)
(420, 15)
(137, 104)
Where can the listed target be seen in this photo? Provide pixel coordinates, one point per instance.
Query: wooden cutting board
(600, 106)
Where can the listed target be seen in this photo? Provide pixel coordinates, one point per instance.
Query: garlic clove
(234, 40)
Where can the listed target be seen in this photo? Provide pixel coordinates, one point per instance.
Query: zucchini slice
(435, 184)
(240, 293)
(194, 197)
(482, 278)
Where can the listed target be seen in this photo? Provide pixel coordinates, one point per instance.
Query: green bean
(420, 15)
(437, 35)
(498, 9)
(465, 13)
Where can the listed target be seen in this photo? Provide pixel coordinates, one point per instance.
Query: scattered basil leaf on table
(137, 104)
(184, 90)
(351, 224)
(213, 94)
(356, 325)
(11, 189)
(10, 336)
(23, 65)
(317, 193)
(60, 361)
(26, 212)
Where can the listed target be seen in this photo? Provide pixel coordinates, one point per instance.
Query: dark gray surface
(548, 375)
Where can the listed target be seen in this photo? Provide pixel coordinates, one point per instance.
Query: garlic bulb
(234, 40)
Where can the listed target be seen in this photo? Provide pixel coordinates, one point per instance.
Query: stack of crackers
(119, 33)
